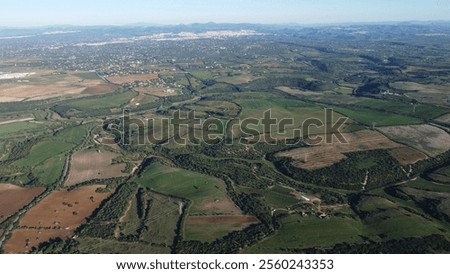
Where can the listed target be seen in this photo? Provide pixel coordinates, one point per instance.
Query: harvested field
(224, 219)
(88, 165)
(323, 155)
(425, 138)
(58, 215)
(132, 78)
(13, 198)
(407, 155)
(47, 84)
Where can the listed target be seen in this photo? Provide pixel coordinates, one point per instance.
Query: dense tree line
(232, 243)
(433, 206)
(425, 245)
(104, 220)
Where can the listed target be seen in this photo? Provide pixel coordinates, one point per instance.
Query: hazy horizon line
(144, 24)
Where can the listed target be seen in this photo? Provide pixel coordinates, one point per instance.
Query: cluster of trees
(57, 246)
(253, 205)
(246, 173)
(431, 164)
(105, 219)
(21, 149)
(241, 172)
(381, 169)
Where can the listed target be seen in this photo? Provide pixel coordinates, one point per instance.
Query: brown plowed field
(58, 215)
(23, 240)
(13, 198)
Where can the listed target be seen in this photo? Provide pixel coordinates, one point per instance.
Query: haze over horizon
(83, 12)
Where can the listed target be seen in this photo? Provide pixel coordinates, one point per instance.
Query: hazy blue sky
(117, 12)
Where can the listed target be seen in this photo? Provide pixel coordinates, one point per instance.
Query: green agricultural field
(440, 178)
(384, 220)
(420, 110)
(3, 150)
(305, 232)
(344, 90)
(44, 151)
(146, 99)
(46, 159)
(113, 100)
(369, 117)
(237, 79)
(203, 74)
(50, 171)
(423, 184)
(282, 108)
(403, 225)
(19, 128)
(200, 189)
(88, 75)
(74, 135)
(88, 245)
(162, 221)
(131, 221)
(280, 197)
(372, 203)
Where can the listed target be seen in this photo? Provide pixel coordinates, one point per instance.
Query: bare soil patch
(47, 84)
(13, 198)
(425, 138)
(88, 165)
